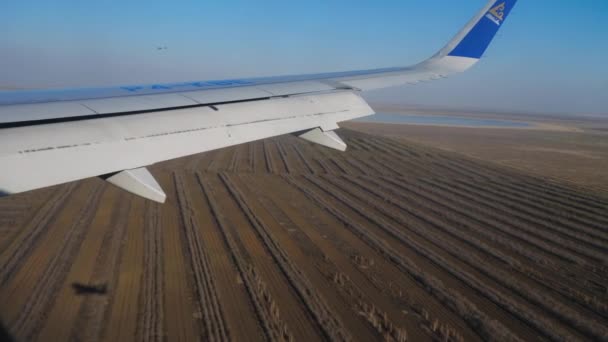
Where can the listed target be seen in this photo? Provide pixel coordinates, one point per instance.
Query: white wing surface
(57, 136)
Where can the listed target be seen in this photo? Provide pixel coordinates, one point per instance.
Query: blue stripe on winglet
(475, 43)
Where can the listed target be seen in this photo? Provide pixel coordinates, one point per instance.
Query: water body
(435, 120)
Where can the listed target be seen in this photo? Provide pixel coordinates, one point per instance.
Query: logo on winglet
(497, 14)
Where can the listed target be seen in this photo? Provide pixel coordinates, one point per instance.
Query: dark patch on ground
(89, 289)
(5, 336)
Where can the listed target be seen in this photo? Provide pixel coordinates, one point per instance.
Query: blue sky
(550, 56)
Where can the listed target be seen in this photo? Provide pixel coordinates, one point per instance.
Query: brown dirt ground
(284, 240)
(573, 152)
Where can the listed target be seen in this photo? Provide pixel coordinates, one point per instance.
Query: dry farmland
(283, 240)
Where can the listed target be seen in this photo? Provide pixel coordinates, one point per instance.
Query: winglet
(473, 40)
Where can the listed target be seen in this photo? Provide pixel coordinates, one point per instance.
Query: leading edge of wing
(459, 54)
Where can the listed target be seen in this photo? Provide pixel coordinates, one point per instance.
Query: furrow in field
(556, 231)
(377, 167)
(259, 159)
(151, 322)
(357, 166)
(267, 156)
(240, 315)
(362, 146)
(569, 227)
(60, 320)
(438, 178)
(94, 309)
(295, 313)
(251, 157)
(28, 323)
(266, 308)
(181, 311)
(329, 322)
(559, 202)
(485, 278)
(540, 186)
(413, 152)
(13, 254)
(353, 145)
(303, 256)
(91, 317)
(298, 166)
(284, 157)
(563, 207)
(362, 286)
(17, 210)
(477, 226)
(574, 253)
(324, 167)
(120, 318)
(487, 327)
(234, 160)
(279, 162)
(209, 304)
(553, 301)
(340, 166)
(302, 158)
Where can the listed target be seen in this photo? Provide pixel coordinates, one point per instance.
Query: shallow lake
(441, 120)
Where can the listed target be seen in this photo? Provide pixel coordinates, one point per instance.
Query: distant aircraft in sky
(159, 48)
(50, 137)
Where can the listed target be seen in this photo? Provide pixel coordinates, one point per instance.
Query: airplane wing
(57, 136)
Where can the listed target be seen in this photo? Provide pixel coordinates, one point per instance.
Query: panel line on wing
(102, 116)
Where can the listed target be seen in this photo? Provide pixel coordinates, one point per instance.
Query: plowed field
(283, 240)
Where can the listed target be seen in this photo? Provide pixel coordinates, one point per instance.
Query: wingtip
(474, 39)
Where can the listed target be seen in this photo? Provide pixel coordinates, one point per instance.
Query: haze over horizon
(549, 57)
